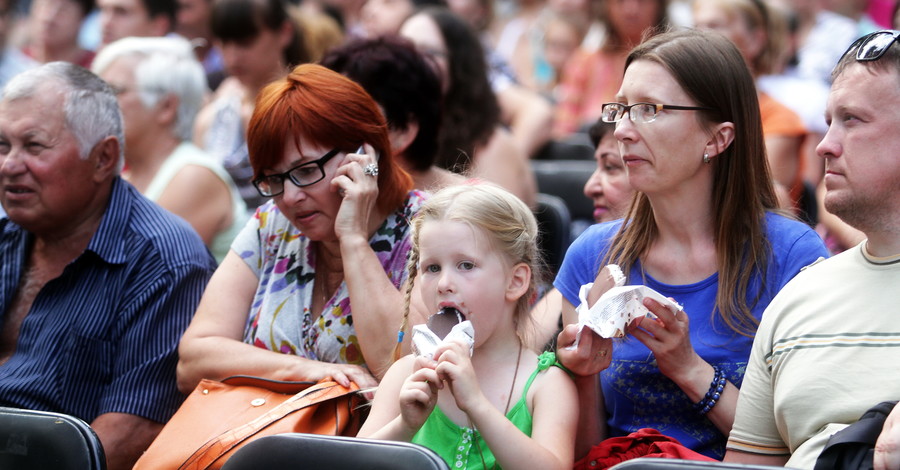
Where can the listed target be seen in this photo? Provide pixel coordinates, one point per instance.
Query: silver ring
(371, 169)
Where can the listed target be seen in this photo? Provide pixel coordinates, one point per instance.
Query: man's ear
(105, 156)
(722, 137)
(519, 282)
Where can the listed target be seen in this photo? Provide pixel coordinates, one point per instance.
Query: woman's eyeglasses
(640, 112)
(301, 175)
(873, 45)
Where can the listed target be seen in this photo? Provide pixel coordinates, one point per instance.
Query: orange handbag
(217, 418)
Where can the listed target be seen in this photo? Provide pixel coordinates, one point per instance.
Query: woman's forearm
(377, 305)
(218, 357)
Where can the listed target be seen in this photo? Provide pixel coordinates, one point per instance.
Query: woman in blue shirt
(702, 229)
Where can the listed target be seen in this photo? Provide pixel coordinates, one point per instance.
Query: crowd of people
(201, 189)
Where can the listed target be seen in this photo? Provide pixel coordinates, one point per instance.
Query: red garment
(644, 442)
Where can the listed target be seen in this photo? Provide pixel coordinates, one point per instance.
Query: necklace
(512, 388)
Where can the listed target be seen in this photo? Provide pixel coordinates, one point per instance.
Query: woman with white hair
(161, 86)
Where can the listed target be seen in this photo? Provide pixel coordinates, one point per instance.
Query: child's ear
(519, 282)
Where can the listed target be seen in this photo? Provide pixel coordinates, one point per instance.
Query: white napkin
(425, 342)
(616, 308)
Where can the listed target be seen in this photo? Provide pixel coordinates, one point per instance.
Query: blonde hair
(507, 221)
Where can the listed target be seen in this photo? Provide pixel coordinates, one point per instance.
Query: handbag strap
(220, 445)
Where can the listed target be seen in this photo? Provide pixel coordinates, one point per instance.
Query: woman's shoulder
(787, 235)
(413, 201)
(783, 228)
(599, 233)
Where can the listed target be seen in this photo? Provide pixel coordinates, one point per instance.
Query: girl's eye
(467, 265)
(432, 268)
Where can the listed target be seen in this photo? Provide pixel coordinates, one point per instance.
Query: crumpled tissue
(425, 342)
(617, 307)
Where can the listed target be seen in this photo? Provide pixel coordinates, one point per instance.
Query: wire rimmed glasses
(640, 112)
(873, 45)
(301, 175)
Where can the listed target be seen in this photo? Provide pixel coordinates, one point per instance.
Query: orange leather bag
(219, 417)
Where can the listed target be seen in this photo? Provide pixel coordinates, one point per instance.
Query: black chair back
(38, 439)
(312, 451)
(555, 226)
(649, 463)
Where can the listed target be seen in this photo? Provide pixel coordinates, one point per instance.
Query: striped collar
(877, 260)
(108, 241)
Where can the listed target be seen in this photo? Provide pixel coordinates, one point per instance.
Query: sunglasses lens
(875, 45)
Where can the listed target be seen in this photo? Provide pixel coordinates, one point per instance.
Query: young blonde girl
(474, 249)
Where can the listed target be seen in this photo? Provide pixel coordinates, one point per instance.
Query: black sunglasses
(873, 45)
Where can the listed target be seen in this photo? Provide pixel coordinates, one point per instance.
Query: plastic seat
(38, 439)
(312, 451)
(647, 463)
(565, 179)
(554, 224)
(575, 147)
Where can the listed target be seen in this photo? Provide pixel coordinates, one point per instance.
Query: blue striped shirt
(103, 336)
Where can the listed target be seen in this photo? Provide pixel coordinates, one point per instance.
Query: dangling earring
(706, 158)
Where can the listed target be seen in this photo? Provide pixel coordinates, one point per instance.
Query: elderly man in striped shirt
(97, 283)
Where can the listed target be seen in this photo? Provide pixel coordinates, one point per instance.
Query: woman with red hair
(334, 234)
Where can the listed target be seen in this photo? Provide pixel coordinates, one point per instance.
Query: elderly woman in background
(160, 86)
(310, 288)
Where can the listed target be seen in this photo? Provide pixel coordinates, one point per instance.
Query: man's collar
(108, 241)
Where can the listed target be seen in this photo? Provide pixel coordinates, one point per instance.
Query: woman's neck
(684, 251)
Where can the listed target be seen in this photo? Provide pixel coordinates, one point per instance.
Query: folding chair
(555, 227)
(32, 439)
(648, 463)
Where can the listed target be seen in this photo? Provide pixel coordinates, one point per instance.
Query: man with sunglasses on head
(828, 344)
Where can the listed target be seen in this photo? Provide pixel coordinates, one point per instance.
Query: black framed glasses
(301, 175)
(873, 45)
(640, 112)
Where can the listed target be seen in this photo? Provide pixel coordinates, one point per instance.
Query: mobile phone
(361, 151)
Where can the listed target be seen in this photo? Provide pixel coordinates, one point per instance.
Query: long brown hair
(713, 73)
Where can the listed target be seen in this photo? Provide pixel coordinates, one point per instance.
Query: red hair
(328, 110)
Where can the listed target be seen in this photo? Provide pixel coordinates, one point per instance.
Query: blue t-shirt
(636, 394)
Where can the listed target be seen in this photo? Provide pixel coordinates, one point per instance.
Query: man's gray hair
(89, 105)
(166, 65)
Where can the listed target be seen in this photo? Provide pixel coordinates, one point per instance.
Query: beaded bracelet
(715, 392)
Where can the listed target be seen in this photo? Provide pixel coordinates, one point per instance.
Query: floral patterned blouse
(284, 261)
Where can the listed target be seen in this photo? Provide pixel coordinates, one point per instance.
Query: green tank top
(460, 446)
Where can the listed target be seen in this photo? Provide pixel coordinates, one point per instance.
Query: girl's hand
(419, 394)
(668, 337)
(455, 368)
(592, 356)
(359, 190)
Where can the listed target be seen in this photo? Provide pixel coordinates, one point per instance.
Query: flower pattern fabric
(284, 261)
